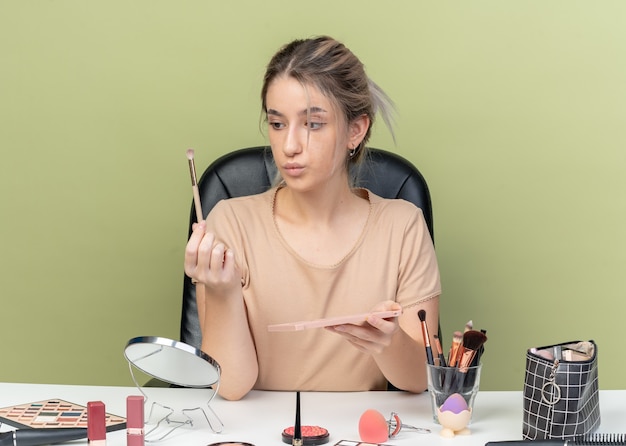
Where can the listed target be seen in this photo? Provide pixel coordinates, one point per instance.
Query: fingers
(387, 305)
(376, 334)
(191, 250)
(384, 325)
(216, 256)
(205, 258)
(365, 340)
(229, 260)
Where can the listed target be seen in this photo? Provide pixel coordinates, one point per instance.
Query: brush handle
(442, 360)
(453, 356)
(196, 202)
(429, 355)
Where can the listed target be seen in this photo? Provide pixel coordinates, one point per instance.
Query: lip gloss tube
(96, 423)
(134, 421)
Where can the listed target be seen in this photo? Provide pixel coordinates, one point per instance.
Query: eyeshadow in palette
(53, 413)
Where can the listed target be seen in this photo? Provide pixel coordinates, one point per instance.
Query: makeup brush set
(460, 372)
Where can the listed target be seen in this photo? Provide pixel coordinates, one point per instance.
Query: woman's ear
(357, 130)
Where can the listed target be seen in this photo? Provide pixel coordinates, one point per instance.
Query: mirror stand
(177, 364)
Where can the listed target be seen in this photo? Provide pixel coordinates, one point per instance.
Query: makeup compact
(311, 435)
(177, 364)
(298, 435)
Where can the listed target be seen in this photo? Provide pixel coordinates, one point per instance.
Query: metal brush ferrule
(192, 172)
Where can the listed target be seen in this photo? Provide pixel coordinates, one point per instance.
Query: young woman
(315, 247)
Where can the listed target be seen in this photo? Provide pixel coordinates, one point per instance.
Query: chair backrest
(252, 171)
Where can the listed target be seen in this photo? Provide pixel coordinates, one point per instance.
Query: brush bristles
(473, 340)
(190, 154)
(422, 315)
(455, 350)
(457, 337)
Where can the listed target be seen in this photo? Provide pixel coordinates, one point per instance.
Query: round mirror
(172, 361)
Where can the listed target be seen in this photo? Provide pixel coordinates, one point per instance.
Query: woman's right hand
(222, 313)
(210, 262)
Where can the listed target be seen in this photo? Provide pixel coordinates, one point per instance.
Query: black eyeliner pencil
(297, 427)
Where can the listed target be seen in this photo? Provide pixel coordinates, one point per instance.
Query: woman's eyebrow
(271, 111)
(313, 110)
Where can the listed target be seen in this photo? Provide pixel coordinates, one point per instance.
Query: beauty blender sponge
(373, 427)
(455, 403)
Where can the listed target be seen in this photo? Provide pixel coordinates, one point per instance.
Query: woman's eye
(277, 125)
(315, 125)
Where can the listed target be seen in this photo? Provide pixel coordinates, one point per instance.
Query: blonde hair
(337, 73)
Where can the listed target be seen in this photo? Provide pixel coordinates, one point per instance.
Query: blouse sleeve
(418, 274)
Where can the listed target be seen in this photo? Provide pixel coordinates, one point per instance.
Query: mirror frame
(196, 357)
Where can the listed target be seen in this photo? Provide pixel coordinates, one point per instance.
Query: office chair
(251, 171)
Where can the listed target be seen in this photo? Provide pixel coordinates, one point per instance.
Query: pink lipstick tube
(134, 421)
(96, 423)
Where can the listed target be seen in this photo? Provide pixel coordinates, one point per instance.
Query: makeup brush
(472, 341)
(442, 359)
(480, 351)
(429, 351)
(466, 377)
(453, 356)
(42, 436)
(194, 184)
(297, 427)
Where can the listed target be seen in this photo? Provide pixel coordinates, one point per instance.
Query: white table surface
(260, 417)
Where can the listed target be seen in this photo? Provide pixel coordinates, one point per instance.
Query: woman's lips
(293, 169)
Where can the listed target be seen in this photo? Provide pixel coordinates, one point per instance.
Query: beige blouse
(394, 259)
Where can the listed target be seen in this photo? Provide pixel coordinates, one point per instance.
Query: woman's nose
(294, 141)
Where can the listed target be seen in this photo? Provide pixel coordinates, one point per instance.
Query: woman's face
(309, 140)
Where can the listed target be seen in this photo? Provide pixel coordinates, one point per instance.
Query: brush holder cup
(452, 394)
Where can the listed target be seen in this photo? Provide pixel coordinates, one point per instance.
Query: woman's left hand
(374, 335)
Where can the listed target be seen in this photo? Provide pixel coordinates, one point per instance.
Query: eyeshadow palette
(53, 413)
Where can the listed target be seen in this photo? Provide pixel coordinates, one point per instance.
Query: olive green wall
(513, 110)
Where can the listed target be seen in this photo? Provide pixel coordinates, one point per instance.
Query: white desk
(261, 416)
